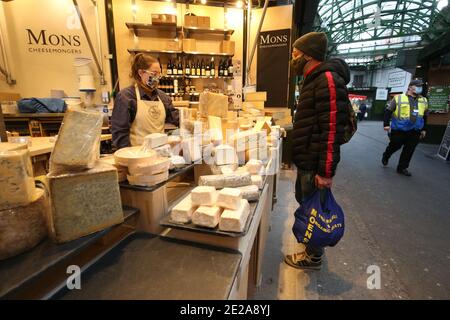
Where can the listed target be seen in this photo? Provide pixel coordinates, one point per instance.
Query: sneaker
(384, 161)
(404, 172)
(304, 261)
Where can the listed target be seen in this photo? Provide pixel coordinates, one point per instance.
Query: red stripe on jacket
(332, 133)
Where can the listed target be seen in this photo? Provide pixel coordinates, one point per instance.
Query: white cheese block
(217, 181)
(78, 144)
(85, 202)
(273, 141)
(164, 150)
(229, 198)
(192, 149)
(207, 216)
(254, 166)
(155, 140)
(237, 179)
(241, 157)
(234, 220)
(228, 168)
(225, 154)
(148, 180)
(16, 179)
(213, 104)
(173, 140)
(23, 227)
(134, 155)
(256, 154)
(182, 212)
(250, 193)
(176, 162)
(257, 181)
(276, 131)
(204, 195)
(157, 165)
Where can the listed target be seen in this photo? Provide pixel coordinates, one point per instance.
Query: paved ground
(400, 224)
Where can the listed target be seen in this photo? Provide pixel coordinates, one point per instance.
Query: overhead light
(239, 4)
(203, 1)
(419, 66)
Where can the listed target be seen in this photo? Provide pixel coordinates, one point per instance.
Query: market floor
(397, 223)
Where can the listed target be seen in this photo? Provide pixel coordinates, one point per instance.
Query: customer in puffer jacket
(318, 126)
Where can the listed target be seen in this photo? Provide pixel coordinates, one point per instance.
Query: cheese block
(148, 180)
(155, 140)
(215, 128)
(192, 149)
(213, 104)
(158, 165)
(229, 198)
(225, 154)
(10, 146)
(234, 220)
(176, 162)
(78, 144)
(173, 140)
(121, 171)
(228, 168)
(273, 141)
(262, 125)
(23, 227)
(134, 155)
(182, 212)
(257, 181)
(204, 195)
(254, 166)
(16, 179)
(253, 104)
(207, 216)
(164, 150)
(261, 139)
(83, 203)
(217, 181)
(256, 154)
(241, 157)
(250, 193)
(237, 179)
(256, 96)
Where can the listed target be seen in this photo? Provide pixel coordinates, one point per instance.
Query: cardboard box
(189, 45)
(191, 21)
(228, 46)
(173, 45)
(203, 22)
(164, 19)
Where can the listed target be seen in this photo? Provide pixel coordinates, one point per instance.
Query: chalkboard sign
(438, 98)
(444, 149)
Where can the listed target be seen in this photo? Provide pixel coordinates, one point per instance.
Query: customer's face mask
(298, 65)
(418, 90)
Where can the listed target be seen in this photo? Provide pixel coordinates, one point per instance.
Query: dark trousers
(304, 186)
(406, 139)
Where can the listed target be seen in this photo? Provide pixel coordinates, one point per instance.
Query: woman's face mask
(298, 64)
(151, 79)
(418, 90)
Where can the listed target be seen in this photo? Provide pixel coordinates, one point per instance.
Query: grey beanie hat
(313, 44)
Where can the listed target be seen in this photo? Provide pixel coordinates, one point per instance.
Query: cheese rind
(134, 156)
(23, 227)
(250, 193)
(204, 195)
(158, 165)
(229, 198)
(16, 179)
(148, 180)
(207, 216)
(237, 179)
(182, 212)
(213, 104)
(154, 140)
(234, 220)
(217, 181)
(164, 150)
(254, 166)
(83, 203)
(257, 181)
(78, 144)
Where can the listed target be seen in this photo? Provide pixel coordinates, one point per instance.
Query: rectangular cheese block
(256, 154)
(207, 216)
(213, 104)
(148, 180)
(262, 125)
(78, 144)
(182, 212)
(254, 166)
(241, 157)
(204, 195)
(85, 202)
(157, 165)
(173, 140)
(256, 96)
(234, 220)
(23, 227)
(225, 154)
(155, 140)
(217, 181)
(246, 105)
(164, 150)
(257, 181)
(237, 179)
(229, 198)
(273, 141)
(16, 179)
(215, 128)
(192, 149)
(250, 193)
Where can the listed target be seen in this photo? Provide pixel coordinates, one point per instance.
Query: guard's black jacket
(320, 118)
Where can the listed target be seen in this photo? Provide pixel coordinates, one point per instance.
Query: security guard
(409, 116)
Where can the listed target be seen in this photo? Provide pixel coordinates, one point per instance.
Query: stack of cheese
(84, 192)
(122, 171)
(252, 108)
(241, 178)
(207, 207)
(281, 116)
(23, 208)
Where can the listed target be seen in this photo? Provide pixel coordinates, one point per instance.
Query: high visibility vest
(401, 119)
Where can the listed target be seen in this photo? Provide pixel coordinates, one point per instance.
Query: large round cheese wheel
(133, 155)
(23, 227)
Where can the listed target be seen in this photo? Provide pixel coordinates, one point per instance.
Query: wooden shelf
(225, 32)
(133, 51)
(192, 53)
(136, 27)
(196, 53)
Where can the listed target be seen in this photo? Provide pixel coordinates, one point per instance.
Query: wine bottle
(208, 70)
(225, 68)
(213, 68)
(230, 68)
(169, 67)
(174, 68)
(203, 68)
(221, 68)
(180, 68)
(199, 72)
(188, 68)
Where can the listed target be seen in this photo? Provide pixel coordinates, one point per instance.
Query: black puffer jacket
(320, 118)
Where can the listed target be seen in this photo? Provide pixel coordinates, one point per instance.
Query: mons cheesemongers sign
(273, 66)
(43, 41)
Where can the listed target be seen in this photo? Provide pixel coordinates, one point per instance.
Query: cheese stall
(183, 215)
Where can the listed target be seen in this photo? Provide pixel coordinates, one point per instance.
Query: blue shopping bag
(319, 224)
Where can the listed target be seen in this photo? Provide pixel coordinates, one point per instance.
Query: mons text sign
(43, 41)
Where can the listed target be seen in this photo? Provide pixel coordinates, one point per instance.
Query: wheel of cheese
(133, 155)
(154, 166)
(148, 180)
